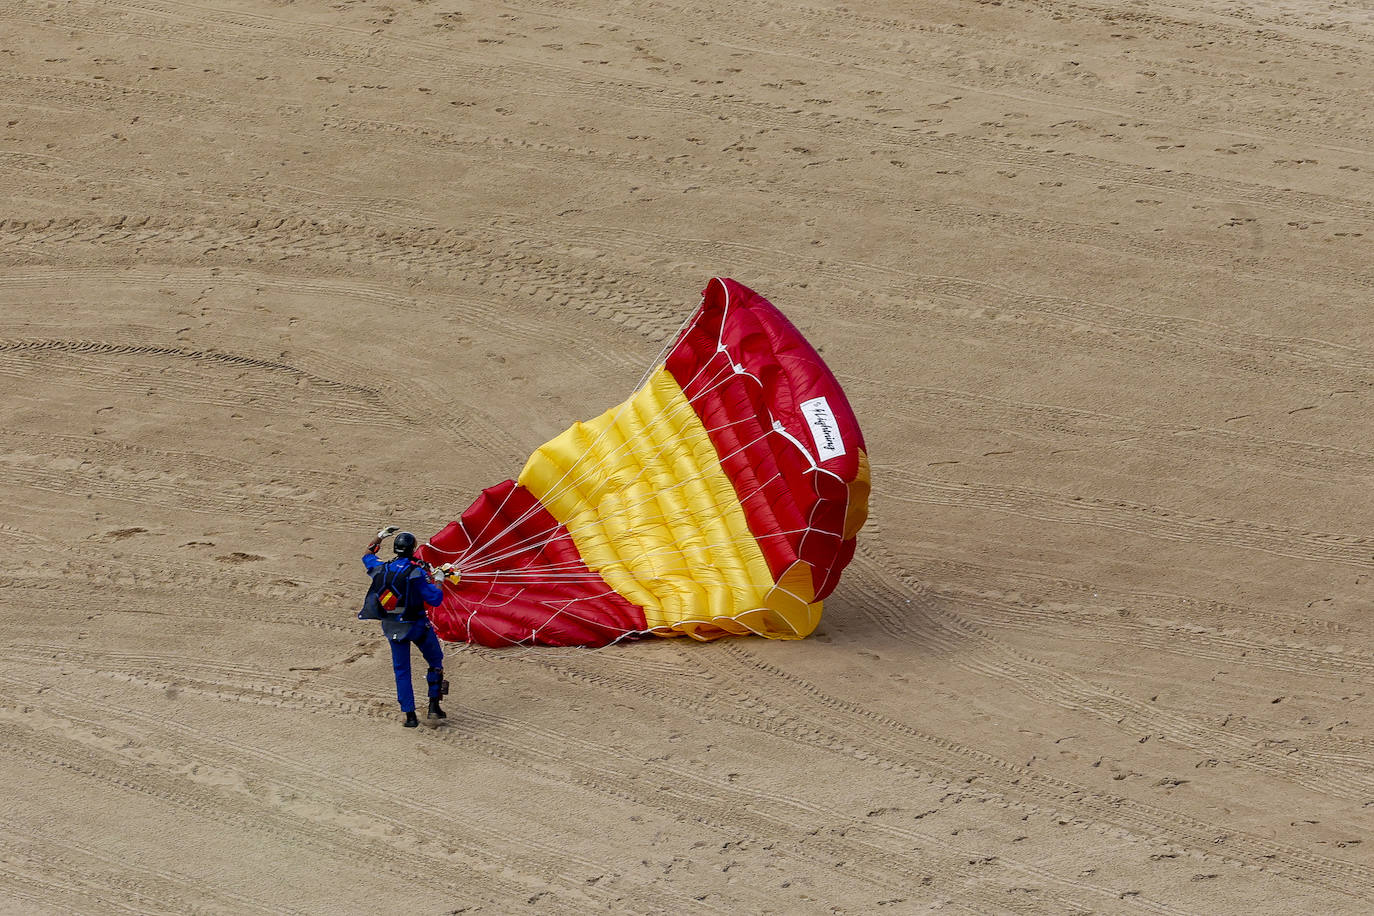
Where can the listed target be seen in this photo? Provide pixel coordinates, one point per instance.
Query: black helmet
(404, 544)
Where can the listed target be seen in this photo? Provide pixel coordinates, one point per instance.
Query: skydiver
(400, 590)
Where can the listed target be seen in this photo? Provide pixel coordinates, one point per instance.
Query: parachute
(722, 498)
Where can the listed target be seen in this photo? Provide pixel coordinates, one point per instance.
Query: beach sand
(1096, 277)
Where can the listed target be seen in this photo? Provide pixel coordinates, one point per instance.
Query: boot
(434, 711)
(411, 720)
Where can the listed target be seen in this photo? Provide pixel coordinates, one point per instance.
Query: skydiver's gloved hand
(382, 535)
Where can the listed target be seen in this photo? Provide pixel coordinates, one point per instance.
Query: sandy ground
(1095, 274)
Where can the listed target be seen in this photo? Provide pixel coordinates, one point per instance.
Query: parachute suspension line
(528, 569)
(477, 556)
(666, 348)
(659, 417)
(654, 366)
(576, 569)
(476, 566)
(644, 467)
(539, 574)
(625, 634)
(556, 532)
(482, 554)
(519, 590)
(528, 644)
(552, 534)
(528, 513)
(525, 577)
(565, 611)
(721, 378)
(663, 352)
(474, 551)
(573, 570)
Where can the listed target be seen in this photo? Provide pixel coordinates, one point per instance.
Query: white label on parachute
(824, 430)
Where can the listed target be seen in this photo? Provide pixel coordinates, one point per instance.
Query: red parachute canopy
(723, 497)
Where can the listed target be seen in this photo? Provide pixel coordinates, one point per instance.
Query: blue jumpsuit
(421, 633)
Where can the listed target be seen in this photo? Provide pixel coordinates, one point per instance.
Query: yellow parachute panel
(643, 495)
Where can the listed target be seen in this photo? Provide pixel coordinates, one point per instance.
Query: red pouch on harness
(388, 599)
